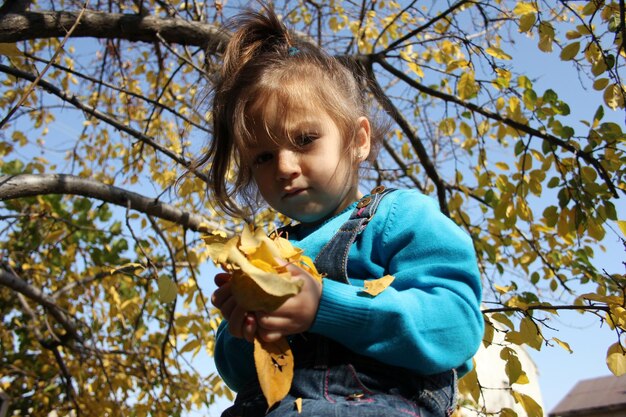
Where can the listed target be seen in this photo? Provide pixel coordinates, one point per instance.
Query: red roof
(606, 393)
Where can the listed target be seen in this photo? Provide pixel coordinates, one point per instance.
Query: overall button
(364, 202)
(378, 190)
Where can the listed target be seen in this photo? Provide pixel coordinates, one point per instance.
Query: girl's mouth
(293, 192)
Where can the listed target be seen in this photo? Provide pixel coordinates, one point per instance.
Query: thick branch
(16, 27)
(27, 185)
(14, 282)
(592, 307)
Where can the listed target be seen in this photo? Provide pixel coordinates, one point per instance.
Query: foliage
(105, 108)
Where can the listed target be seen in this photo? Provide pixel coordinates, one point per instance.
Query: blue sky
(559, 370)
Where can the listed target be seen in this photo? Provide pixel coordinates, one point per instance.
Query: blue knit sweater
(428, 320)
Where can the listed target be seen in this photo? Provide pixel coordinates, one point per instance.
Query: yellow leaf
(10, 49)
(216, 247)
(513, 367)
(529, 404)
(616, 359)
(274, 367)
(563, 344)
(530, 333)
(467, 87)
(613, 96)
(622, 226)
(167, 289)
(447, 126)
(523, 8)
(546, 36)
(600, 84)
(526, 22)
(469, 384)
(498, 53)
(248, 242)
(256, 290)
(376, 286)
(569, 52)
(260, 279)
(507, 412)
(195, 343)
(298, 403)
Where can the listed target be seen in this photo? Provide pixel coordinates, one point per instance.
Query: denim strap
(332, 260)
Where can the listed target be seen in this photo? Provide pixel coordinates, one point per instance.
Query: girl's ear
(362, 139)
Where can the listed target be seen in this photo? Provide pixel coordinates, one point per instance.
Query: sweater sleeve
(429, 319)
(233, 358)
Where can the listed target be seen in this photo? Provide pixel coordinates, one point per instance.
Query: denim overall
(333, 381)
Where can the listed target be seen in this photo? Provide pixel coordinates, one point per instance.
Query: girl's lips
(294, 192)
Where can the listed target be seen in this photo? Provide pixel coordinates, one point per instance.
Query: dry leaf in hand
(376, 286)
(274, 368)
(260, 281)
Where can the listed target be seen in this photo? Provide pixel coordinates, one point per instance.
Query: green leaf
(599, 113)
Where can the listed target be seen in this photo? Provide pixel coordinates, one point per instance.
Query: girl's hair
(265, 62)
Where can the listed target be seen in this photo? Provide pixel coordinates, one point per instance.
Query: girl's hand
(296, 315)
(241, 324)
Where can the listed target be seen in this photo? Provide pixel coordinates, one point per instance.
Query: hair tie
(293, 51)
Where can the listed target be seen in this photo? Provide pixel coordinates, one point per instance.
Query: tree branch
(27, 185)
(546, 308)
(422, 154)
(14, 282)
(132, 27)
(72, 99)
(494, 116)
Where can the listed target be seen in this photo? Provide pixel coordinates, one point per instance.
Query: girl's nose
(287, 165)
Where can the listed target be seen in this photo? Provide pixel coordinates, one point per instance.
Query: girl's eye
(262, 158)
(303, 140)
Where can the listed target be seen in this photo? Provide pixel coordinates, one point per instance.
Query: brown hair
(263, 61)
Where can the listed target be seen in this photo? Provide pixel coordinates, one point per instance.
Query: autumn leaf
(376, 286)
(616, 359)
(10, 49)
(274, 367)
(167, 289)
(260, 280)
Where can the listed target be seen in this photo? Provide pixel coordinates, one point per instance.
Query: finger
(236, 322)
(249, 327)
(227, 308)
(221, 278)
(273, 323)
(221, 294)
(269, 337)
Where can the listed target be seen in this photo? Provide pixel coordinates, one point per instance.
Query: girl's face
(300, 163)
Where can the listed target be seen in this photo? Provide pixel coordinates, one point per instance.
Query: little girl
(292, 123)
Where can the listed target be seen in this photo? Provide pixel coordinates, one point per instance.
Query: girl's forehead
(279, 115)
